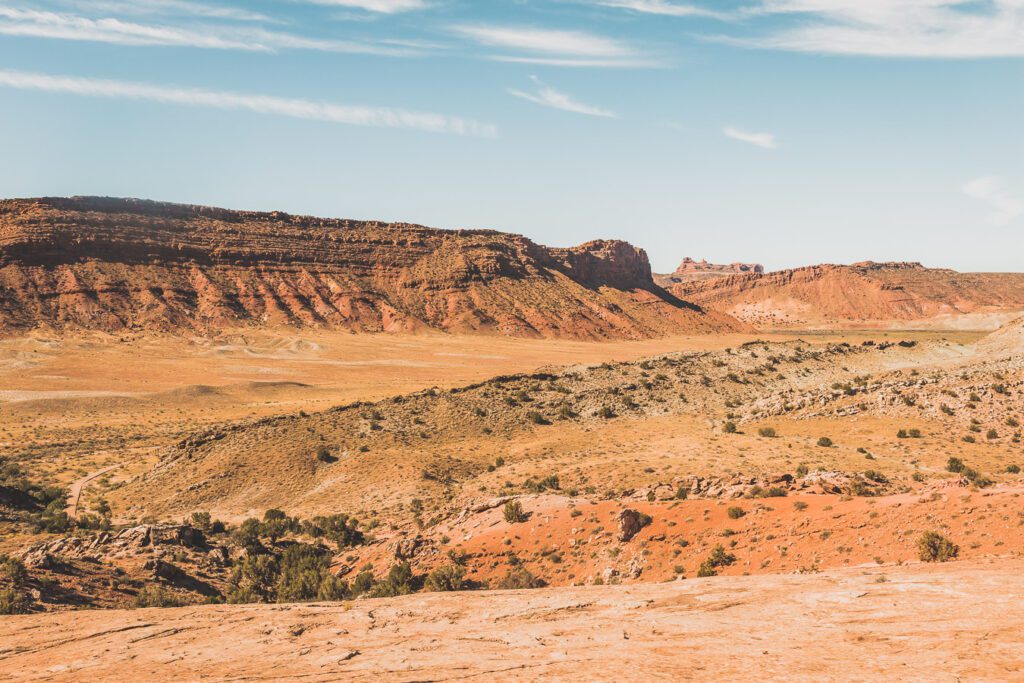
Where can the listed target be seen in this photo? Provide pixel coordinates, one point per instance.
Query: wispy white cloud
(263, 104)
(551, 41)
(549, 97)
(894, 28)
(993, 191)
(41, 24)
(554, 47)
(379, 6)
(166, 7)
(661, 7)
(765, 140)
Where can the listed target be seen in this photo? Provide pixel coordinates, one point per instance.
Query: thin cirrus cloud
(992, 190)
(662, 8)
(263, 104)
(378, 6)
(763, 140)
(61, 26)
(186, 8)
(948, 29)
(553, 47)
(549, 97)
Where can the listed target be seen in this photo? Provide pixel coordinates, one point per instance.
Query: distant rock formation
(126, 264)
(861, 293)
(690, 270)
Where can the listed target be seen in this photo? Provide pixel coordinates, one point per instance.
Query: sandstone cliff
(865, 292)
(116, 264)
(702, 270)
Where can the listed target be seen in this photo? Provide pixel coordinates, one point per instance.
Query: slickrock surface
(866, 292)
(121, 264)
(955, 621)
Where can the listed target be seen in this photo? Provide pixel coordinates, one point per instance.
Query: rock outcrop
(117, 264)
(690, 270)
(865, 292)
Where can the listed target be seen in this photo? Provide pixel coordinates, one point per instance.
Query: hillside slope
(115, 264)
(866, 292)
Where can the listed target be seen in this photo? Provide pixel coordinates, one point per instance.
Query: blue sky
(786, 132)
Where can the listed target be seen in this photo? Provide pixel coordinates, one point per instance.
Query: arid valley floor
(495, 460)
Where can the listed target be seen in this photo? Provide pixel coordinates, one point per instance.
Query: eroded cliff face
(859, 293)
(115, 264)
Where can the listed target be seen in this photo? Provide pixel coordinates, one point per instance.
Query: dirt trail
(937, 622)
(76, 488)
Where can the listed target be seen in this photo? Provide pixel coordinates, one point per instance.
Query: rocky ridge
(124, 264)
(864, 292)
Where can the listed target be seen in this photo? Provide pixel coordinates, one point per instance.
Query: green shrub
(399, 581)
(718, 558)
(519, 578)
(13, 601)
(729, 428)
(955, 465)
(1013, 469)
(735, 512)
(154, 595)
(934, 547)
(200, 520)
(12, 570)
(446, 578)
(536, 418)
(767, 432)
(514, 512)
(825, 442)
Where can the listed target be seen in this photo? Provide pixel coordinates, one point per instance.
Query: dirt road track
(938, 622)
(75, 490)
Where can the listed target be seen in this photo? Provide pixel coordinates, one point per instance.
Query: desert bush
(1013, 469)
(514, 512)
(825, 442)
(247, 535)
(729, 428)
(802, 470)
(12, 570)
(155, 595)
(799, 506)
(254, 580)
(14, 601)
(536, 418)
(363, 583)
(53, 519)
(446, 578)
(735, 512)
(200, 520)
(991, 434)
(519, 578)
(955, 465)
(934, 547)
(399, 581)
(605, 412)
(275, 525)
(718, 558)
(323, 454)
(766, 432)
(301, 570)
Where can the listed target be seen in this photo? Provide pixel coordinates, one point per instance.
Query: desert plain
(362, 451)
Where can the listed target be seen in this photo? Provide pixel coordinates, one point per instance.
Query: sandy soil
(959, 621)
